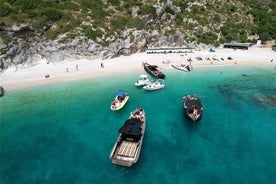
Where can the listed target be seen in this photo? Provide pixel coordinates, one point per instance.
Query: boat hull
(158, 84)
(154, 71)
(142, 81)
(193, 108)
(126, 152)
(121, 105)
(179, 67)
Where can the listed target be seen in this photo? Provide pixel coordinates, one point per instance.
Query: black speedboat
(154, 71)
(127, 148)
(193, 107)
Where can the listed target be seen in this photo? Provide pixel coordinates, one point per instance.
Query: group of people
(77, 67)
(139, 114)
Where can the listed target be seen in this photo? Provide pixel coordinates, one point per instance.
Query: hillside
(135, 25)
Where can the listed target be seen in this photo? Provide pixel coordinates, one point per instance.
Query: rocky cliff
(59, 30)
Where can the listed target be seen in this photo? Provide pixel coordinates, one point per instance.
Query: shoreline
(22, 77)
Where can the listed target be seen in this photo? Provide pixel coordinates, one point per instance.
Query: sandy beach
(45, 72)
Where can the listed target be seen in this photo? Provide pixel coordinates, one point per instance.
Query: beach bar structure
(169, 50)
(237, 45)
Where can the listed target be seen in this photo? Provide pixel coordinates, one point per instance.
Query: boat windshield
(120, 93)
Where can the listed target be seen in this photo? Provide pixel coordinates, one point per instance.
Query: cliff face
(59, 30)
(27, 50)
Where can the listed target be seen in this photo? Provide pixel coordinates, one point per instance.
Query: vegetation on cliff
(207, 21)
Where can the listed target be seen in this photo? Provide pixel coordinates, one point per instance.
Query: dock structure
(169, 50)
(237, 45)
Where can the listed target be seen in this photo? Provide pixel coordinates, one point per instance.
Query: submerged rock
(244, 75)
(269, 100)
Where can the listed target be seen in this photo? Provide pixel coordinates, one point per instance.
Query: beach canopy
(212, 50)
(131, 127)
(120, 93)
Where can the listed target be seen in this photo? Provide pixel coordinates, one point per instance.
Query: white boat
(121, 98)
(142, 81)
(127, 148)
(158, 84)
(182, 67)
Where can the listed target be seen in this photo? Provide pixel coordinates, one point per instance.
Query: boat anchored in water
(142, 81)
(121, 98)
(127, 148)
(158, 84)
(193, 107)
(182, 67)
(154, 71)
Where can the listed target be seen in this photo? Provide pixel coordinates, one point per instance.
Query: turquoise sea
(63, 133)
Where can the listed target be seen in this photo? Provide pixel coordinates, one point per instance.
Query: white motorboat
(121, 98)
(142, 81)
(127, 148)
(182, 67)
(158, 84)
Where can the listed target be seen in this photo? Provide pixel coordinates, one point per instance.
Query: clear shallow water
(64, 133)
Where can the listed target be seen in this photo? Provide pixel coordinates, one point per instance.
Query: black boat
(2, 91)
(127, 148)
(193, 107)
(154, 71)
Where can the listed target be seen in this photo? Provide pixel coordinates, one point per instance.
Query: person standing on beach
(77, 67)
(102, 65)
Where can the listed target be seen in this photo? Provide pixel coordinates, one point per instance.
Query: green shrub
(147, 9)
(119, 22)
(40, 23)
(4, 9)
(170, 32)
(183, 5)
(5, 38)
(169, 10)
(130, 3)
(69, 5)
(52, 14)
(207, 37)
(138, 24)
(51, 34)
(216, 18)
(132, 38)
(92, 34)
(113, 2)
(179, 19)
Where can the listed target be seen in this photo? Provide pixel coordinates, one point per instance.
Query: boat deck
(127, 149)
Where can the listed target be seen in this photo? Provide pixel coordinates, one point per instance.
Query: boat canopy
(121, 93)
(131, 127)
(191, 103)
